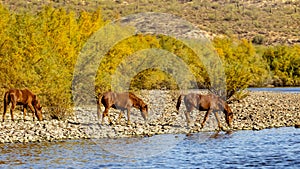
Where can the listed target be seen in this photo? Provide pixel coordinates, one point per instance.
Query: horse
(209, 103)
(122, 101)
(22, 97)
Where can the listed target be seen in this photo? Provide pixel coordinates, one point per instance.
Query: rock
(139, 131)
(258, 111)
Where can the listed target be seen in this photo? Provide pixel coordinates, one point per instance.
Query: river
(269, 148)
(278, 89)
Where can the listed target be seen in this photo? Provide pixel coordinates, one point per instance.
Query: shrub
(258, 39)
(38, 51)
(243, 67)
(284, 62)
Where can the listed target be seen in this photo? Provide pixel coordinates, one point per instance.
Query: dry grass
(269, 22)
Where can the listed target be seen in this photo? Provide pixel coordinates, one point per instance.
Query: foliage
(243, 67)
(258, 39)
(284, 63)
(38, 51)
(158, 69)
(153, 79)
(277, 21)
(119, 53)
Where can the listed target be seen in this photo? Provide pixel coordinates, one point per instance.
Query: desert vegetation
(40, 42)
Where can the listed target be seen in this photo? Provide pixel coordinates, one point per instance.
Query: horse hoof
(189, 134)
(229, 132)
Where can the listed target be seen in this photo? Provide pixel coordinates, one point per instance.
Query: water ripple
(270, 148)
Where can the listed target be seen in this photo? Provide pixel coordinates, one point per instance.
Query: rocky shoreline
(260, 110)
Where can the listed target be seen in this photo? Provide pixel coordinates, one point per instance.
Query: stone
(258, 111)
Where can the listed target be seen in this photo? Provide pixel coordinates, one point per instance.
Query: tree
(243, 67)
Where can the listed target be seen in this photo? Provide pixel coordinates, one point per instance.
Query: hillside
(263, 22)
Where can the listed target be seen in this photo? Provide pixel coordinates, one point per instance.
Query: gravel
(260, 110)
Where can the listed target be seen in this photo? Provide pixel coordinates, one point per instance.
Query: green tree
(284, 62)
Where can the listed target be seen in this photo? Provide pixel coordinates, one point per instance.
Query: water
(269, 148)
(278, 89)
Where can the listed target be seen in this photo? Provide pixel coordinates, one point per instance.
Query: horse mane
(137, 102)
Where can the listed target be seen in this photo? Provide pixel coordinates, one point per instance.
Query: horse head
(38, 108)
(144, 111)
(229, 116)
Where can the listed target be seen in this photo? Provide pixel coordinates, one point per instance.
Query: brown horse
(22, 97)
(209, 103)
(122, 101)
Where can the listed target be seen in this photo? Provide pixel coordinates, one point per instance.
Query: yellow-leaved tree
(39, 51)
(243, 67)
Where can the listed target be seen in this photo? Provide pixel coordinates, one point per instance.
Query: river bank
(258, 111)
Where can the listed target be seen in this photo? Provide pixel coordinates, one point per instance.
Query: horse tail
(5, 102)
(99, 98)
(178, 102)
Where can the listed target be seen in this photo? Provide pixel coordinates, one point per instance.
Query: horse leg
(105, 113)
(189, 109)
(33, 111)
(6, 103)
(13, 105)
(120, 116)
(98, 111)
(3, 116)
(187, 116)
(128, 116)
(24, 111)
(206, 117)
(218, 119)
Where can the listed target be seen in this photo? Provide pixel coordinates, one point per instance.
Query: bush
(284, 62)
(243, 67)
(39, 51)
(258, 39)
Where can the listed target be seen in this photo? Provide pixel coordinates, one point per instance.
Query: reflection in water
(273, 148)
(39, 153)
(203, 137)
(140, 147)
